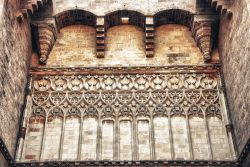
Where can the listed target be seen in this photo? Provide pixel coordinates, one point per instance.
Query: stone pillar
(27, 111)
(149, 39)
(100, 37)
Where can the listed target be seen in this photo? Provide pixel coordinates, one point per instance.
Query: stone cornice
(209, 68)
(222, 6)
(28, 7)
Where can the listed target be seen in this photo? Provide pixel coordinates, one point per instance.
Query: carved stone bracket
(45, 35)
(203, 34)
(28, 7)
(149, 39)
(100, 37)
(222, 6)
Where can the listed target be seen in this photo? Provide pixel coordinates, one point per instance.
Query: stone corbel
(149, 33)
(100, 37)
(45, 36)
(222, 6)
(203, 34)
(28, 8)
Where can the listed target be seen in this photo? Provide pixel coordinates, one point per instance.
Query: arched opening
(75, 17)
(173, 16)
(174, 44)
(173, 38)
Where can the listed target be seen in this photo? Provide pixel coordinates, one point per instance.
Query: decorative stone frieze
(113, 102)
(45, 36)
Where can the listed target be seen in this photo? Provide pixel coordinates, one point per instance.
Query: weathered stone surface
(234, 45)
(15, 50)
(125, 46)
(3, 162)
(106, 6)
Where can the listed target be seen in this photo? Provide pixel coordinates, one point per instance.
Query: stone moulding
(130, 163)
(125, 70)
(45, 36)
(222, 6)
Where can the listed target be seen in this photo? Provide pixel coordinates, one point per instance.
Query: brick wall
(15, 50)
(234, 44)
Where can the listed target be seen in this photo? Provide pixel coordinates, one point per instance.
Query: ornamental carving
(203, 35)
(128, 95)
(45, 34)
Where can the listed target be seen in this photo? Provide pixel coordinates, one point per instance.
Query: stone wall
(15, 49)
(125, 46)
(126, 117)
(3, 162)
(234, 44)
(146, 7)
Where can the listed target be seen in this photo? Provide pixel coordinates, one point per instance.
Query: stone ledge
(125, 70)
(130, 163)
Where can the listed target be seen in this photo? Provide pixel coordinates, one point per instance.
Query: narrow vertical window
(125, 140)
(143, 140)
(89, 139)
(107, 140)
(161, 136)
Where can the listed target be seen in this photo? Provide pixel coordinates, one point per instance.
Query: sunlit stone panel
(75, 44)
(161, 137)
(180, 138)
(125, 140)
(125, 43)
(71, 138)
(34, 137)
(89, 139)
(218, 138)
(175, 45)
(199, 138)
(107, 140)
(143, 139)
(52, 139)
